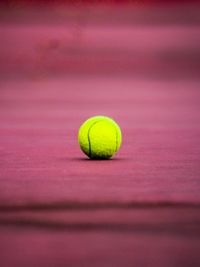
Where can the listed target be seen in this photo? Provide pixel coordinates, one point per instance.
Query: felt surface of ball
(100, 137)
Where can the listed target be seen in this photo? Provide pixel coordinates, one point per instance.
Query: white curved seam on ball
(88, 135)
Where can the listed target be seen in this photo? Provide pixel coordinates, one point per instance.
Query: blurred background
(151, 39)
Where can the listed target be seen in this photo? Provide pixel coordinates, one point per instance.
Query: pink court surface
(61, 65)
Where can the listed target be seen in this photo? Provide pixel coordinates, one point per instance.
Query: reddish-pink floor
(57, 208)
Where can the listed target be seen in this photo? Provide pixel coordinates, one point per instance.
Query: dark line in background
(170, 228)
(96, 206)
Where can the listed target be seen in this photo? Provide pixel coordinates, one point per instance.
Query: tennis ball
(99, 137)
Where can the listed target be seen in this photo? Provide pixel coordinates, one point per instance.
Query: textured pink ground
(57, 208)
(41, 161)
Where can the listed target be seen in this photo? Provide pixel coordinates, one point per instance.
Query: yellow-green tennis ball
(100, 137)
